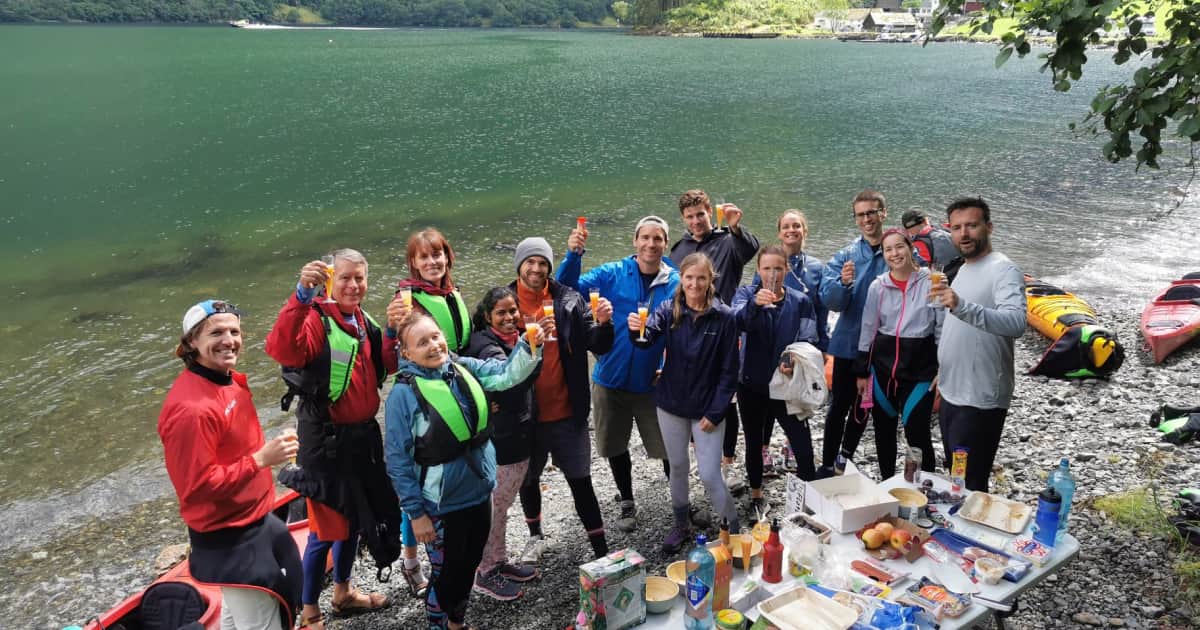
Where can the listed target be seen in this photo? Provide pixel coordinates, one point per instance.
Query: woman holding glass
(432, 289)
(699, 376)
(897, 353)
(772, 316)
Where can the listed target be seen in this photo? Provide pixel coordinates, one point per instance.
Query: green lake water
(145, 168)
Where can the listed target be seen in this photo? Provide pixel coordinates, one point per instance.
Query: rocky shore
(1118, 579)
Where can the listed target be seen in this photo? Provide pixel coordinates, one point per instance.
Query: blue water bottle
(701, 575)
(1064, 483)
(1045, 525)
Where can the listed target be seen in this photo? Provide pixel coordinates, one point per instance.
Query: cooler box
(848, 501)
(612, 591)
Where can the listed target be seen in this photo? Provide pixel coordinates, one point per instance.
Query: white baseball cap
(203, 310)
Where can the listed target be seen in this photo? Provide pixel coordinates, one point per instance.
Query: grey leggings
(676, 433)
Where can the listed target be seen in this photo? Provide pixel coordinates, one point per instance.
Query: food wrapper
(612, 591)
(935, 599)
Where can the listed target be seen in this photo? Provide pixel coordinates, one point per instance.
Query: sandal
(353, 603)
(418, 584)
(308, 622)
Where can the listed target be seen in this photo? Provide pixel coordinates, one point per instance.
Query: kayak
(1172, 318)
(1082, 347)
(206, 597)
(1051, 310)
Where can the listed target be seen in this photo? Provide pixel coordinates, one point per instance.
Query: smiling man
(986, 304)
(623, 381)
(729, 248)
(844, 285)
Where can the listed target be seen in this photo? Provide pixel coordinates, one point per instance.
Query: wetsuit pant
(454, 556)
(977, 429)
(759, 411)
(841, 434)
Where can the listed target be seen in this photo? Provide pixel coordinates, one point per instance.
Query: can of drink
(958, 469)
(912, 465)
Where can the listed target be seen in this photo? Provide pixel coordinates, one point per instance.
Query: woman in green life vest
(430, 260)
(440, 456)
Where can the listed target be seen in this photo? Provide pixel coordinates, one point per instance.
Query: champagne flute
(747, 543)
(770, 282)
(531, 331)
(289, 434)
(594, 300)
(548, 311)
(329, 271)
(719, 210)
(643, 315)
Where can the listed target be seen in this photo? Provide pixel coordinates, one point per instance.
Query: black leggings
(977, 429)
(843, 401)
(896, 395)
(454, 556)
(729, 447)
(759, 412)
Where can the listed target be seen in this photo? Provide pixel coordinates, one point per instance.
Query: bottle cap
(1051, 495)
(775, 525)
(724, 522)
(701, 540)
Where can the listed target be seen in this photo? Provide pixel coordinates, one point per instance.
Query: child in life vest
(440, 457)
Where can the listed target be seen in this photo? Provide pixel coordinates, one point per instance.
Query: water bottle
(1064, 483)
(1045, 524)
(701, 573)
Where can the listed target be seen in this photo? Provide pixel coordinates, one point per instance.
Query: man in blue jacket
(844, 285)
(623, 380)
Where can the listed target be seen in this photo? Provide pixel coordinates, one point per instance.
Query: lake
(145, 168)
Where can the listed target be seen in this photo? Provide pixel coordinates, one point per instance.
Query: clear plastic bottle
(701, 574)
(1063, 482)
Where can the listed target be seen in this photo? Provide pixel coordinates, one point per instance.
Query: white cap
(203, 310)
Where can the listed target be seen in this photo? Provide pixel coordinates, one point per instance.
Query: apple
(873, 539)
(885, 528)
(902, 538)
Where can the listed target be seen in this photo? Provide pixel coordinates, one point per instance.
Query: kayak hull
(1051, 310)
(1168, 325)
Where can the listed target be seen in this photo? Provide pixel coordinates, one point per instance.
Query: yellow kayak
(1053, 312)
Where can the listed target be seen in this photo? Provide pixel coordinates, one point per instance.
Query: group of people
(483, 399)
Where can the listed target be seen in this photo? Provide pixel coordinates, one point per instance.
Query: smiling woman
(430, 260)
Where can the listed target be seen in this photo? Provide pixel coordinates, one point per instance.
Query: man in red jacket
(220, 465)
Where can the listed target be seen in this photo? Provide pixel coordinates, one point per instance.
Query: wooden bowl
(735, 541)
(677, 572)
(660, 594)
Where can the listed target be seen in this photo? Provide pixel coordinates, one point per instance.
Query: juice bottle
(958, 469)
(701, 574)
(723, 573)
(773, 556)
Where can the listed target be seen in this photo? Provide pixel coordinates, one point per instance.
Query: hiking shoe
(675, 540)
(534, 548)
(628, 519)
(496, 586)
(699, 517)
(733, 480)
(517, 572)
(418, 584)
(758, 506)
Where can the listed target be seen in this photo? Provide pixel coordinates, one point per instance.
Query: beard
(974, 248)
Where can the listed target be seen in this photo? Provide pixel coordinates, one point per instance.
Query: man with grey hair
(623, 380)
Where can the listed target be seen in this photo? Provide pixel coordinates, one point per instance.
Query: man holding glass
(844, 285)
(623, 380)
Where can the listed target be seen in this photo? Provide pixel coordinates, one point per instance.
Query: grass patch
(1137, 510)
(287, 14)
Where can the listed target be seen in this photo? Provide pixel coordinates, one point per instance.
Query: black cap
(912, 218)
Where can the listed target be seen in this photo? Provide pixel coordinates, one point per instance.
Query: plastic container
(698, 591)
(1063, 482)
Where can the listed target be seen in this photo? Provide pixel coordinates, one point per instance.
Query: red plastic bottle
(772, 566)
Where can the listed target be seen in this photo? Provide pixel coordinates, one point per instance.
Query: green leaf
(1102, 103)
(1138, 45)
(1003, 56)
(1190, 128)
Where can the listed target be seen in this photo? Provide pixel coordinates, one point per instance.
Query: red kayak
(1172, 319)
(182, 589)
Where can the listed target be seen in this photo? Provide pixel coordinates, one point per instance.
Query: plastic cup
(594, 300)
(643, 315)
(531, 331)
(406, 297)
(720, 211)
(548, 311)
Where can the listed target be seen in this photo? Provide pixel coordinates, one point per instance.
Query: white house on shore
(841, 21)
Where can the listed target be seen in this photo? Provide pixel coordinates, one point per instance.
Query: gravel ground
(1117, 580)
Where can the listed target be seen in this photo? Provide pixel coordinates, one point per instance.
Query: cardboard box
(848, 501)
(612, 591)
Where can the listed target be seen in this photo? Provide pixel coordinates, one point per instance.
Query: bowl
(677, 572)
(660, 594)
(735, 541)
(911, 502)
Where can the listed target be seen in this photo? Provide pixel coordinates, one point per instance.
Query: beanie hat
(532, 246)
(654, 221)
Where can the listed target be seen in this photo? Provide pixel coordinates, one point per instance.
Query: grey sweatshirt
(976, 349)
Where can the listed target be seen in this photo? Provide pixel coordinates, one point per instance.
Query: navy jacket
(576, 335)
(729, 253)
(805, 276)
(768, 331)
(699, 375)
(512, 422)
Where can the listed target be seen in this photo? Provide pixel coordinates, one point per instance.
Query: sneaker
(733, 480)
(628, 520)
(496, 586)
(675, 540)
(518, 572)
(758, 506)
(534, 549)
(418, 584)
